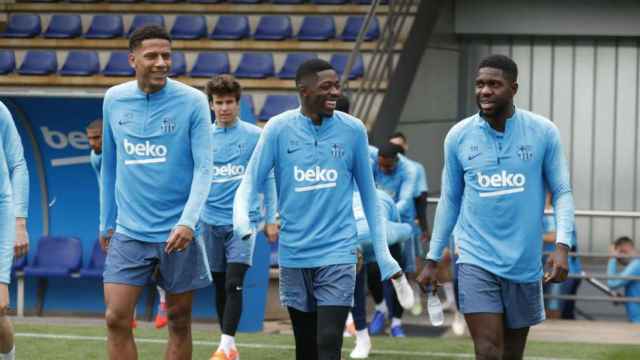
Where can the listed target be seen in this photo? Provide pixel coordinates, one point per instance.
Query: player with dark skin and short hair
(497, 167)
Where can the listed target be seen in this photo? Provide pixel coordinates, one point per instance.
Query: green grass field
(87, 342)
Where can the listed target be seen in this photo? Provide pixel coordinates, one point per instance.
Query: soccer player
(229, 256)
(14, 206)
(317, 154)
(156, 160)
(621, 249)
(497, 165)
(94, 135)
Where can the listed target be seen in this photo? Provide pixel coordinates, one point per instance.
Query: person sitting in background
(622, 253)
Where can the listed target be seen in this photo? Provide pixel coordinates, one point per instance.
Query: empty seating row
(284, 2)
(207, 64)
(191, 27)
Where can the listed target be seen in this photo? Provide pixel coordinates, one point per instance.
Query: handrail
(359, 39)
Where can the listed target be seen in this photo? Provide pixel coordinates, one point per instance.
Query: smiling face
(494, 92)
(319, 97)
(152, 62)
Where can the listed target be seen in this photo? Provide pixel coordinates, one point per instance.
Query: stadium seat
(288, 2)
(23, 26)
(189, 27)
(247, 109)
(353, 25)
(163, 1)
(56, 257)
(292, 62)
(209, 64)
(339, 62)
(81, 63)
(273, 27)
(64, 27)
(39, 62)
(317, 28)
(178, 64)
(231, 27)
(118, 65)
(19, 263)
(141, 20)
(255, 66)
(245, 1)
(329, 2)
(205, 1)
(96, 263)
(276, 104)
(105, 27)
(7, 61)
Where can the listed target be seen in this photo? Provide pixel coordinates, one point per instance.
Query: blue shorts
(305, 289)
(480, 291)
(134, 262)
(222, 247)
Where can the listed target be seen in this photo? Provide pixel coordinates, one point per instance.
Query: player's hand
(428, 275)
(4, 299)
(558, 263)
(180, 238)
(105, 239)
(272, 231)
(21, 247)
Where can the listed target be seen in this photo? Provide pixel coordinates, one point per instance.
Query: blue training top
(493, 188)
(315, 168)
(631, 287)
(156, 159)
(400, 184)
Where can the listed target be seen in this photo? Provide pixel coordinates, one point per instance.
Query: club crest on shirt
(168, 126)
(337, 151)
(525, 152)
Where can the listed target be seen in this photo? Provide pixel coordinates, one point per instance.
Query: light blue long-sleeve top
(232, 149)
(493, 188)
(96, 160)
(397, 231)
(14, 189)
(156, 159)
(315, 168)
(631, 287)
(400, 184)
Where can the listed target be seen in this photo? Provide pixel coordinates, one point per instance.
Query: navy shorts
(305, 289)
(134, 262)
(480, 291)
(223, 247)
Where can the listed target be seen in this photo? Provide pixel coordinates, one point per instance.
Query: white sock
(227, 342)
(449, 293)
(362, 336)
(11, 355)
(396, 322)
(382, 307)
(161, 293)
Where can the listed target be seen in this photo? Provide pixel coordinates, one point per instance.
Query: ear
(131, 57)
(514, 87)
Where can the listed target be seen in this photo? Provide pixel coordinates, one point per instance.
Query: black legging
(318, 335)
(229, 296)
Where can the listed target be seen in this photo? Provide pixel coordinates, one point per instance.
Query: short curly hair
(500, 62)
(223, 85)
(145, 33)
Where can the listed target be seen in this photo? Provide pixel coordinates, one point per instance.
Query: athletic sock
(349, 319)
(227, 343)
(396, 322)
(449, 293)
(362, 336)
(162, 294)
(382, 307)
(11, 355)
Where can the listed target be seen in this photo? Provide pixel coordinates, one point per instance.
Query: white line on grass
(265, 346)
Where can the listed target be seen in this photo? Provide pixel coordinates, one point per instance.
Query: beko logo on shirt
(154, 153)
(515, 183)
(228, 172)
(326, 177)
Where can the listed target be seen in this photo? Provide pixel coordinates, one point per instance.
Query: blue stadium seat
(19, 263)
(289, 2)
(353, 25)
(118, 65)
(178, 64)
(163, 1)
(81, 63)
(39, 62)
(56, 257)
(329, 2)
(292, 62)
(276, 104)
(105, 27)
(96, 263)
(189, 27)
(205, 1)
(273, 27)
(247, 109)
(7, 61)
(23, 26)
(123, 1)
(64, 27)
(141, 20)
(231, 27)
(317, 28)
(339, 62)
(255, 66)
(209, 64)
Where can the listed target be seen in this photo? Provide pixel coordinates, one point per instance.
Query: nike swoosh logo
(238, 288)
(471, 157)
(289, 151)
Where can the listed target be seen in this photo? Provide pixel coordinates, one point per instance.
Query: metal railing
(381, 64)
